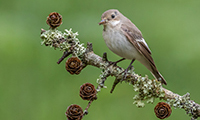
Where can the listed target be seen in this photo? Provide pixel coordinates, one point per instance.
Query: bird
(123, 38)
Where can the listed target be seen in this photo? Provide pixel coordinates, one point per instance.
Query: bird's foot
(115, 63)
(125, 72)
(110, 62)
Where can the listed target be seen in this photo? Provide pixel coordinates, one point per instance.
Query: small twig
(86, 109)
(65, 54)
(89, 47)
(114, 84)
(42, 31)
(105, 56)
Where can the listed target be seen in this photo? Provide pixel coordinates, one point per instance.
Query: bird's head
(110, 18)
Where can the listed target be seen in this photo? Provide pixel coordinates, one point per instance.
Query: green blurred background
(34, 87)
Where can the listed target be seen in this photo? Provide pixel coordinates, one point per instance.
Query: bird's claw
(115, 63)
(112, 63)
(125, 73)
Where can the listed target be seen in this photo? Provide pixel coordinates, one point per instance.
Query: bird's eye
(112, 16)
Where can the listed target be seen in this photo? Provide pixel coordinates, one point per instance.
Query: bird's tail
(151, 66)
(159, 77)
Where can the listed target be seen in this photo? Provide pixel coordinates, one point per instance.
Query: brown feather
(133, 35)
(140, 46)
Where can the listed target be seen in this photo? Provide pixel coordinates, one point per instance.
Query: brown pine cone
(54, 20)
(74, 112)
(88, 92)
(74, 65)
(162, 110)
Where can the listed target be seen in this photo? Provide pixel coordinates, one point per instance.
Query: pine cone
(74, 65)
(162, 110)
(88, 92)
(74, 112)
(54, 20)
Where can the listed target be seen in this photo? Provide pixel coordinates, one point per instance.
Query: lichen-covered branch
(183, 102)
(146, 88)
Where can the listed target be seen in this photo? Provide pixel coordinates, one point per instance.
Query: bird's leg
(115, 63)
(111, 63)
(126, 70)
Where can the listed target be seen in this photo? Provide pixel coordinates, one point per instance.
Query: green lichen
(52, 38)
(66, 41)
(184, 102)
(78, 49)
(147, 90)
(101, 79)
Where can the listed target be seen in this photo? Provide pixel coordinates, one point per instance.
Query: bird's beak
(102, 22)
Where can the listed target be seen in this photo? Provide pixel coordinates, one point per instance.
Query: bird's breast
(119, 44)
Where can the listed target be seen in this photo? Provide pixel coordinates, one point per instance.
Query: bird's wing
(135, 38)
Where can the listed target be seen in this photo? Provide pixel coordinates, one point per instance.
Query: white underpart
(120, 45)
(115, 22)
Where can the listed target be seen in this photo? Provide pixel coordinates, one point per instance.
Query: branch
(147, 89)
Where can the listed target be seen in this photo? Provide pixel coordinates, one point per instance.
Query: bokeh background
(34, 87)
